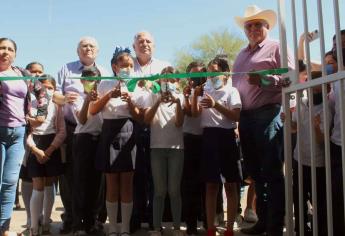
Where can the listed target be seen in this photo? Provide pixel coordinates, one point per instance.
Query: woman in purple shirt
(12, 131)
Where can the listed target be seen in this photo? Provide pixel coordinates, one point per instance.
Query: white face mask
(213, 83)
(168, 87)
(50, 93)
(124, 73)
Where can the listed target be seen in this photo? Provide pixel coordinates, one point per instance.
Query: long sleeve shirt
(265, 56)
(66, 84)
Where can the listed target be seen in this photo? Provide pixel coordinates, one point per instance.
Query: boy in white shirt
(219, 107)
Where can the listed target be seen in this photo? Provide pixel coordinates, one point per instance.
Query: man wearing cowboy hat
(260, 125)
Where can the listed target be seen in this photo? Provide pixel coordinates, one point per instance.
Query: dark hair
(194, 64)
(169, 70)
(45, 77)
(316, 74)
(199, 80)
(28, 66)
(221, 63)
(119, 53)
(8, 39)
(90, 72)
(301, 66)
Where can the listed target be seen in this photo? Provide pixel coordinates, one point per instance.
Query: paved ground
(19, 220)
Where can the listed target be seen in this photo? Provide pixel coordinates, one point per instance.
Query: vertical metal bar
(300, 167)
(326, 124)
(298, 121)
(282, 33)
(341, 89)
(338, 36)
(287, 125)
(294, 37)
(288, 165)
(311, 121)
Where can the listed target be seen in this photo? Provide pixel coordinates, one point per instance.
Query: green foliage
(207, 46)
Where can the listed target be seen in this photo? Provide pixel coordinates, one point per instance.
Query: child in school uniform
(44, 162)
(164, 114)
(117, 147)
(86, 179)
(219, 107)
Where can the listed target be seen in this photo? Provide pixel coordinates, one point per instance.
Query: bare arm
(179, 114)
(150, 112)
(195, 108)
(98, 105)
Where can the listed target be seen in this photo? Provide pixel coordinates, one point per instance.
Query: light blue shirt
(66, 84)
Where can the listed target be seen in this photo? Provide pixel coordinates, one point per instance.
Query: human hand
(165, 97)
(71, 97)
(254, 79)
(198, 91)
(173, 100)
(126, 97)
(317, 121)
(187, 91)
(208, 102)
(92, 96)
(48, 152)
(40, 155)
(115, 92)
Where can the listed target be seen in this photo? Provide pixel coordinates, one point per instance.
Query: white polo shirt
(115, 107)
(305, 157)
(226, 96)
(93, 124)
(164, 133)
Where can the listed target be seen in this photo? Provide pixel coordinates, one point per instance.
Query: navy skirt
(117, 146)
(53, 167)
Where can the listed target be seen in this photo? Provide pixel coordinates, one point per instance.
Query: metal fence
(298, 88)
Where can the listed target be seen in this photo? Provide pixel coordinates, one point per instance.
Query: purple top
(265, 56)
(13, 99)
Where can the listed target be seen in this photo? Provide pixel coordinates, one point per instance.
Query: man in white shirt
(144, 65)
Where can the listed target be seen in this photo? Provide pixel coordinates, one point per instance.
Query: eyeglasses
(257, 25)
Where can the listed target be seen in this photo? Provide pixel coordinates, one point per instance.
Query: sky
(48, 31)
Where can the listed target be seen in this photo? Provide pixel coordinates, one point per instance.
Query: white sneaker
(239, 220)
(155, 233)
(250, 216)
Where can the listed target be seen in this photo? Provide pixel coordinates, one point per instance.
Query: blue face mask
(168, 87)
(329, 69)
(214, 82)
(124, 73)
(50, 93)
(171, 87)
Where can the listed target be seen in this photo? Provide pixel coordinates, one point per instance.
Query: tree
(207, 46)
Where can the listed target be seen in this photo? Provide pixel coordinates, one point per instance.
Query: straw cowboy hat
(253, 12)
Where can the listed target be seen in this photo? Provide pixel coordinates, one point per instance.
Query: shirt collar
(81, 65)
(260, 45)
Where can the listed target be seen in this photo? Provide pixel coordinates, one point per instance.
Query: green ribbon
(131, 82)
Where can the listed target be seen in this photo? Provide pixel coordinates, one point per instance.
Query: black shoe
(134, 226)
(258, 228)
(66, 228)
(192, 231)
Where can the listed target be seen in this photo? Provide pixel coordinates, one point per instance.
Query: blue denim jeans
(262, 146)
(12, 153)
(167, 168)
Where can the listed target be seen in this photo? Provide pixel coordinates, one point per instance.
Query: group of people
(111, 151)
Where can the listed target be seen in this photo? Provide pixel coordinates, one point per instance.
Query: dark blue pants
(262, 143)
(337, 190)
